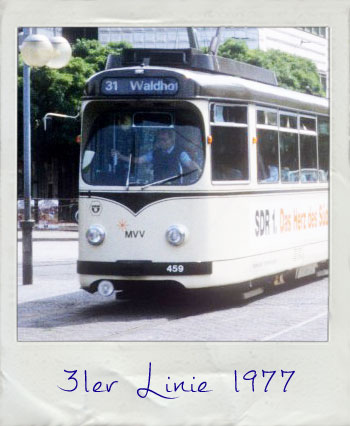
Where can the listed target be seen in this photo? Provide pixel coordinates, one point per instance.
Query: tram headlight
(95, 235)
(176, 235)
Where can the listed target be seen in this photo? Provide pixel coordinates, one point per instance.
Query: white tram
(199, 170)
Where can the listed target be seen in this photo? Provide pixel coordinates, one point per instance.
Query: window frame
(267, 109)
(170, 113)
(307, 132)
(289, 114)
(298, 131)
(94, 115)
(327, 119)
(264, 181)
(212, 124)
(268, 127)
(298, 143)
(227, 123)
(317, 164)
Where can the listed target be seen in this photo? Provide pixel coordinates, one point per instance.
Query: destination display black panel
(140, 86)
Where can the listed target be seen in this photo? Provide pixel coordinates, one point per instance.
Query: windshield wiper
(128, 176)
(168, 179)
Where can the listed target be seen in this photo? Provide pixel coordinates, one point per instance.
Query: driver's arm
(188, 162)
(146, 158)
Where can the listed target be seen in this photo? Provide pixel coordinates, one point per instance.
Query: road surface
(55, 309)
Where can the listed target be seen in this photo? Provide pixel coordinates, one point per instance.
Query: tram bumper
(144, 267)
(129, 273)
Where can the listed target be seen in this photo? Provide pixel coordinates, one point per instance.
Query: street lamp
(37, 50)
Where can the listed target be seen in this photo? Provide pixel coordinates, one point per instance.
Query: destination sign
(140, 86)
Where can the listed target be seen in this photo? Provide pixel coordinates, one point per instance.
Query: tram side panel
(244, 236)
(289, 231)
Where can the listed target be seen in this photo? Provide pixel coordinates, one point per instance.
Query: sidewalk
(64, 231)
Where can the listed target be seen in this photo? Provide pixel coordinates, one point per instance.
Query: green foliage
(95, 53)
(61, 90)
(293, 72)
(237, 50)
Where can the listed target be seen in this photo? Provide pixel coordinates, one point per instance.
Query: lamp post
(37, 50)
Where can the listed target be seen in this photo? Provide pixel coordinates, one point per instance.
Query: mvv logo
(134, 234)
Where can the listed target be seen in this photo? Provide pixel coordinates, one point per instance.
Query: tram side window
(323, 148)
(307, 123)
(308, 158)
(266, 117)
(229, 153)
(288, 121)
(289, 157)
(268, 167)
(228, 114)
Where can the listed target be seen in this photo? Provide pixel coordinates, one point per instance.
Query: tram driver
(168, 158)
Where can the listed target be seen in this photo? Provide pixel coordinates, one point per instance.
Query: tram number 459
(175, 269)
(265, 222)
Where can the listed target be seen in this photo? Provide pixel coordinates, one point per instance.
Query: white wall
(297, 42)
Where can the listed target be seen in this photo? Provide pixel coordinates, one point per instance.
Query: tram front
(142, 170)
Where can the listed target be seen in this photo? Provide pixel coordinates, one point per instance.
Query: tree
(292, 72)
(95, 54)
(60, 91)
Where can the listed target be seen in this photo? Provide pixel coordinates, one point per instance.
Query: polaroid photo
(174, 240)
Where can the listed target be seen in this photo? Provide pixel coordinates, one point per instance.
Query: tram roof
(199, 84)
(252, 91)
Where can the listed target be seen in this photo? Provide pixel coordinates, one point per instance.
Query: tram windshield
(144, 148)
